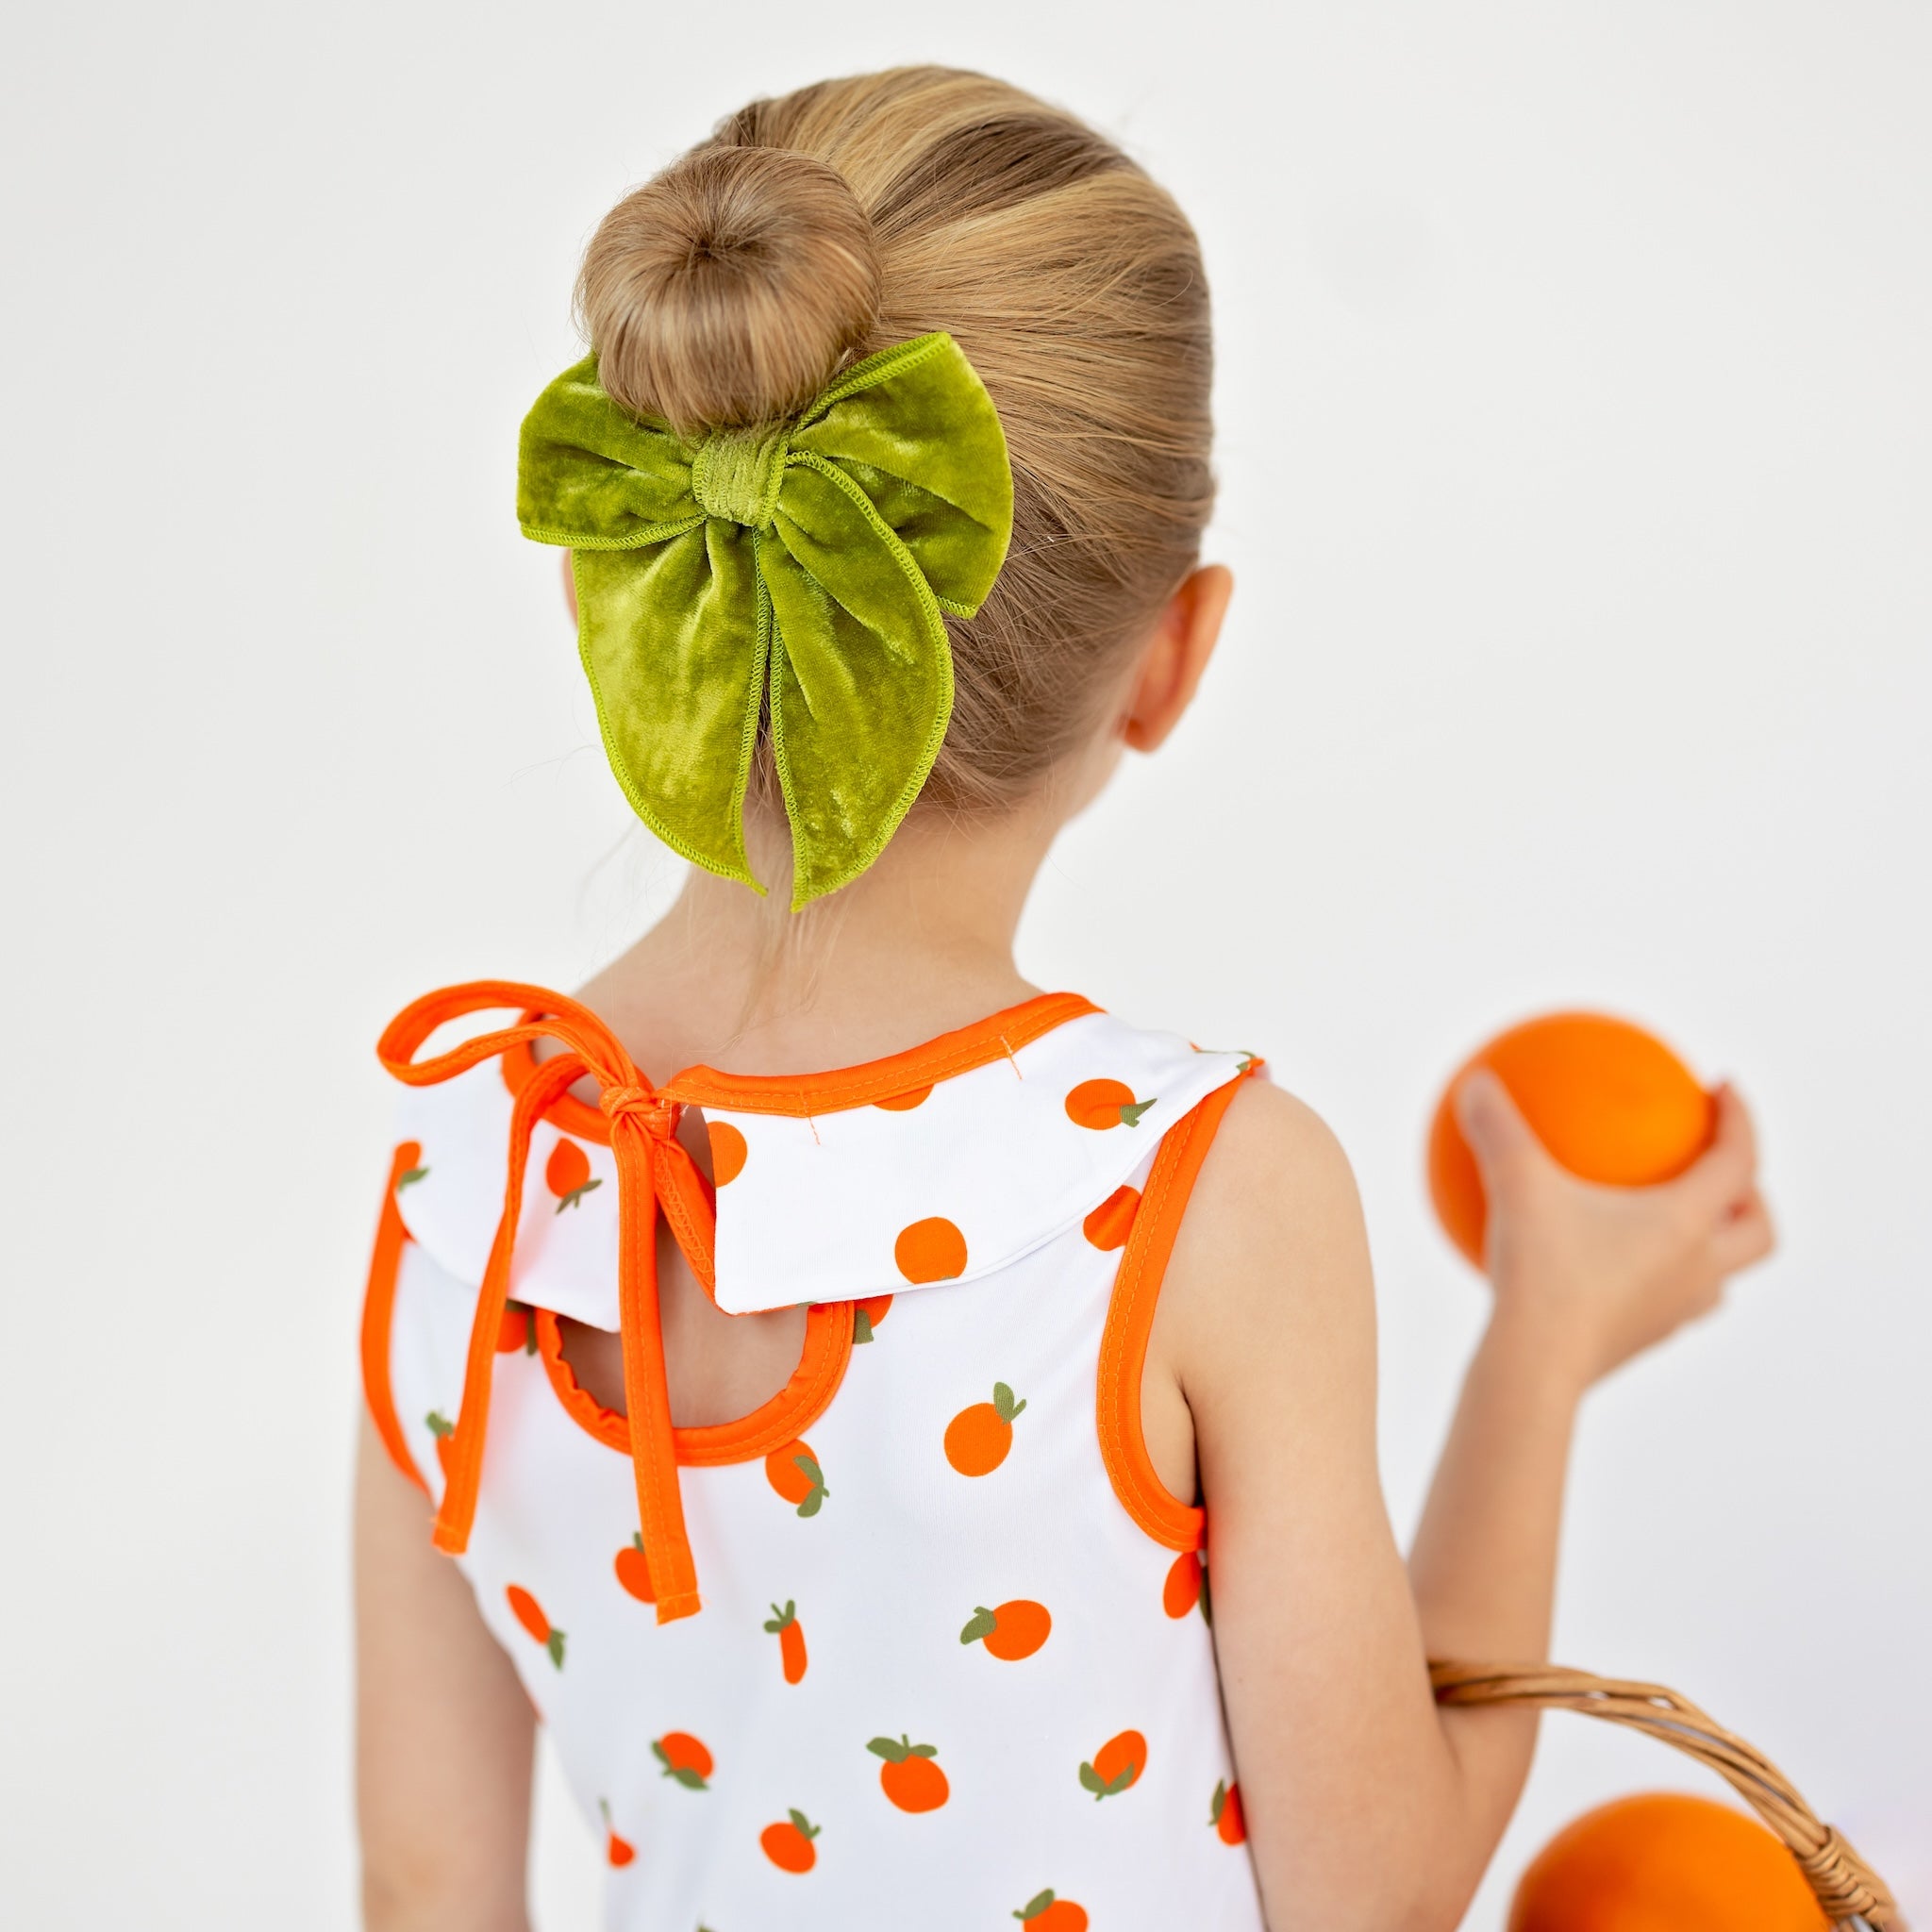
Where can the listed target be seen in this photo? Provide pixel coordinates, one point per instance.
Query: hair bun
(729, 290)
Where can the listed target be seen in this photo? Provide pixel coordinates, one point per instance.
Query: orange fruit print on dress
(634, 1569)
(1045, 1912)
(529, 1613)
(1110, 1224)
(683, 1758)
(1013, 1631)
(728, 1152)
(1103, 1104)
(792, 1470)
(1182, 1590)
(911, 1776)
(1116, 1765)
(930, 1249)
(619, 1851)
(867, 1315)
(788, 1846)
(978, 1438)
(567, 1174)
(1224, 1814)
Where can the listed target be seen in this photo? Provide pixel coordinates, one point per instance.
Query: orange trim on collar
(378, 1305)
(800, 1095)
(1130, 1321)
(821, 1369)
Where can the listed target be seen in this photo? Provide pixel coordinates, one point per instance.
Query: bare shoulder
(1270, 1269)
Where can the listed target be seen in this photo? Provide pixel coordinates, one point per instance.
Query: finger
(1727, 1170)
(1746, 1237)
(1492, 1123)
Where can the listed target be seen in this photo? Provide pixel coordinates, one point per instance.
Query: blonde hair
(813, 229)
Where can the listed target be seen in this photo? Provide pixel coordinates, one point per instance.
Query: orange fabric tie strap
(652, 1164)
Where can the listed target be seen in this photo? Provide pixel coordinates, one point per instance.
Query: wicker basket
(1852, 1895)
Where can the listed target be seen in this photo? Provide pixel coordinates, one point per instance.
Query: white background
(1577, 442)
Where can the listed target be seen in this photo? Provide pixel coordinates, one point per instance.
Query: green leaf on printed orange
(1131, 1112)
(861, 1326)
(782, 1620)
(1090, 1780)
(554, 1644)
(1220, 1803)
(1035, 1905)
(1004, 1404)
(409, 1180)
(814, 1498)
(983, 1624)
(806, 1828)
(575, 1195)
(684, 1774)
(897, 1750)
(439, 1424)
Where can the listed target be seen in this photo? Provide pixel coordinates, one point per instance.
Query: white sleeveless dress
(946, 1661)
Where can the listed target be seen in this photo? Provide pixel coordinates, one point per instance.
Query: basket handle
(1852, 1895)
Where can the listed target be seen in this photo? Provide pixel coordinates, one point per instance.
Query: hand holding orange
(1607, 1195)
(1609, 1101)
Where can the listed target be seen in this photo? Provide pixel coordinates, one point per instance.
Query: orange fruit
(634, 1572)
(911, 1775)
(905, 1102)
(567, 1174)
(1612, 1102)
(529, 1613)
(1110, 1224)
(727, 1152)
(516, 1330)
(684, 1759)
(792, 1470)
(1182, 1590)
(790, 1845)
(1013, 1631)
(1045, 1912)
(1224, 1814)
(930, 1249)
(619, 1851)
(978, 1438)
(1116, 1765)
(1663, 1862)
(1103, 1104)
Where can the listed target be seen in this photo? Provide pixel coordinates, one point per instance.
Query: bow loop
(807, 565)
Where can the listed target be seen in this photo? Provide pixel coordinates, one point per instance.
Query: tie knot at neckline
(656, 1114)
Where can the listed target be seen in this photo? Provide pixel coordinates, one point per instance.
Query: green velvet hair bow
(811, 557)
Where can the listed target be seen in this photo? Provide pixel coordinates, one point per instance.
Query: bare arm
(443, 1731)
(1368, 1807)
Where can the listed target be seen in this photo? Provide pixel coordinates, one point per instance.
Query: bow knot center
(736, 474)
(656, 1114)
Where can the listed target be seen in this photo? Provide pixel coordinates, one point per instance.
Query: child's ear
(1176, 656)
(570, 584)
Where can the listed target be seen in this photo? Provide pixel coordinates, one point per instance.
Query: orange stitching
(378, 1312)
(806, 1396)
(1123, 1339)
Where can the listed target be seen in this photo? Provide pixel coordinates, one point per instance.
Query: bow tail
(646, 1390)
(464, 1476)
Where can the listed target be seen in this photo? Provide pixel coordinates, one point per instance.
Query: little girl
(938, 1492)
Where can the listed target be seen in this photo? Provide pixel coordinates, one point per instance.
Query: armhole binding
(378, 1305)
(1130, 1321)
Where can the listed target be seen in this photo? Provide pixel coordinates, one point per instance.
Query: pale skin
(1369, 1808)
